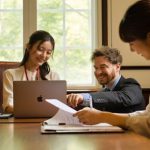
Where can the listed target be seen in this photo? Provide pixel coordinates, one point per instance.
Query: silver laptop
(29, 97)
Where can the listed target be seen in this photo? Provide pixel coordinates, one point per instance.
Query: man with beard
(119, 94)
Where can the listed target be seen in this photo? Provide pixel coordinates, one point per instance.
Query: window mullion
(64, 36)
(29, 18)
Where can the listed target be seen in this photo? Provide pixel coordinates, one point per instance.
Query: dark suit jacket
(126, 97)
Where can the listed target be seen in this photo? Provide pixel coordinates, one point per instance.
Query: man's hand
(74, 100)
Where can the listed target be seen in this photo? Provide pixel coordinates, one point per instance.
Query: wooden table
(27, 136)
(21, 120)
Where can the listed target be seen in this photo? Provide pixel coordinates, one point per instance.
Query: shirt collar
(113, 82)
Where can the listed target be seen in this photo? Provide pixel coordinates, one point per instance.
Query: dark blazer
(126, 97)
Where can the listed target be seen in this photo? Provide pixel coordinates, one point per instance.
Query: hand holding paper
(72, 124)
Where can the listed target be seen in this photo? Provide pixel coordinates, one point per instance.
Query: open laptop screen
(29, 97)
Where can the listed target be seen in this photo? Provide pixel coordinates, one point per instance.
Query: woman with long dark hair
(34, 66)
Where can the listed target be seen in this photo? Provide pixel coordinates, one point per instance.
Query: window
(11, 30)
(70, 22)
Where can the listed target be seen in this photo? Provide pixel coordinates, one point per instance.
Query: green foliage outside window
(68, 21)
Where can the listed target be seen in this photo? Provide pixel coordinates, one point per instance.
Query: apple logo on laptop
(40, 98)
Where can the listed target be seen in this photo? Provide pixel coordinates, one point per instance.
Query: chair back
(3, 67)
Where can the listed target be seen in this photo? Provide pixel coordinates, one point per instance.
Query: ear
(118, 66)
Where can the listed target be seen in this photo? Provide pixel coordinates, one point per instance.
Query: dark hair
(112, 54)
(135, 24)
(39, 36)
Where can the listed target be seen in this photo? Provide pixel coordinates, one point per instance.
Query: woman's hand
(89, 116)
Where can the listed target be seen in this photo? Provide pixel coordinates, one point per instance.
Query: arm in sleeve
(86, 99)
(128, 94)
(7, 89)
(139, 124)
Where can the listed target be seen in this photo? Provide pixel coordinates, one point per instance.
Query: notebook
(101, 128)
(29, 97)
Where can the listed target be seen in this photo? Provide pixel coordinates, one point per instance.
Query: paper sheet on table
(62, 117)
(64, 114)
(71, 124)
(61, 105)
(80, 129)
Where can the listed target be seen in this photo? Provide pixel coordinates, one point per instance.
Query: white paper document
(64, 122)
(80, 129)
(62, 117)
(61, 105)
(64, 114)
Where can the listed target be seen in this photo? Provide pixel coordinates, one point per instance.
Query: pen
(91, 104)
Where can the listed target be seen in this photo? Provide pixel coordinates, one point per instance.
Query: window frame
(30, 25)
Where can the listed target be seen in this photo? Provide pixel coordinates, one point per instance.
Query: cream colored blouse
(18, 74)
(139, 121)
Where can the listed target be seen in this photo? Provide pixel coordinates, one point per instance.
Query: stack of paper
(64, 122)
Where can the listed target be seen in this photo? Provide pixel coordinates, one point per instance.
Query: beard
(105, 78)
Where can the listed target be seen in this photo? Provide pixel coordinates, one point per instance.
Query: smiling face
(105, 71)
(39, 53)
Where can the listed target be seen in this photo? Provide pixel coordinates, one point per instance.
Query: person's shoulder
(130, 81)
(53, 75)
(13, 70)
